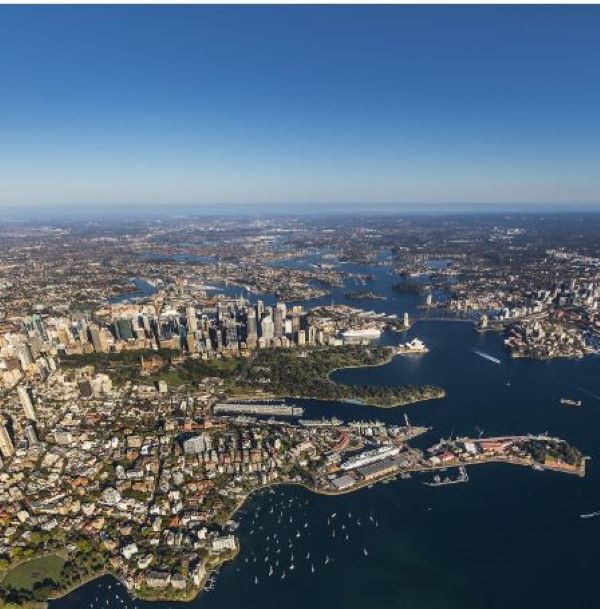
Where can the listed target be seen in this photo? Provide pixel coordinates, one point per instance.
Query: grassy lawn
(25, 575)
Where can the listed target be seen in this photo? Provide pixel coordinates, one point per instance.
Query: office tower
(139, 331)
(64, 335)
(295, 321)
(406, 320)
(217, 337)
(125, 331)
(98, 339)
(145, 321)
(6, 445)
(180, 283)
(231, 337)
(301, 338)
(191, 319)
(191, 342)
(260, 309)
(82, 331)
(31, 436)
(39, 328)
(26, 402)
(251, 330)
(24, 355)
(278, 322)
(267, 328)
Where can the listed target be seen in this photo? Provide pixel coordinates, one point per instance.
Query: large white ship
(370, 456)
(362, 333)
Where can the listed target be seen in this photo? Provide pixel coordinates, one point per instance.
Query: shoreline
(354, 401)
(357, 401)
(195, 591)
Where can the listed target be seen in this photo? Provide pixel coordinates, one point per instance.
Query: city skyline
(401, 108)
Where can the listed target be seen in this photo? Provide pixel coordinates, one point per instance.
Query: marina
(446, 480)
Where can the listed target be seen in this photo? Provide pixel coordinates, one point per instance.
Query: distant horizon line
(171, 211)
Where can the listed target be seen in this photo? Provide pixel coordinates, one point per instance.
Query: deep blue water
(510, 538)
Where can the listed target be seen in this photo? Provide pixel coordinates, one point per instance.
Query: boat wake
(490, 358)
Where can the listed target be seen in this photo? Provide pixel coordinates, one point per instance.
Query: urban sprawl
(152, 377)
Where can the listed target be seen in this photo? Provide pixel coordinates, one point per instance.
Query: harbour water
(510, 537)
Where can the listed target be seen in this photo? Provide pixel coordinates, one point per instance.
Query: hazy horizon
(75, 213)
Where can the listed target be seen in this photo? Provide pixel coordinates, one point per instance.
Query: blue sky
(291, 105)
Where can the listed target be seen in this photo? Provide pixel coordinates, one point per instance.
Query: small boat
(326, 559)
(365, 552)
(590, 515)
(312, 568)
(256, 580)
(568, 402)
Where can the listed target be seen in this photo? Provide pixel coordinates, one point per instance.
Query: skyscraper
(278, 322)
(6, 445)
(251, 330)
(98, 339)
(24, 355)
(267, 328)
(260, 309)
(26, 402)
(31, 435)
(192, 322)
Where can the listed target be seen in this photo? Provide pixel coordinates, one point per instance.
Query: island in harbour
(364, 296)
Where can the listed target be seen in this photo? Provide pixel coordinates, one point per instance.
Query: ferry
(490, 358)
(568, 402)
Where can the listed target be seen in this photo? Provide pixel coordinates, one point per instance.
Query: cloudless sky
(299, 104)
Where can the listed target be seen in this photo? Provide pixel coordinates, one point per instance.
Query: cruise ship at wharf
(540, 452)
